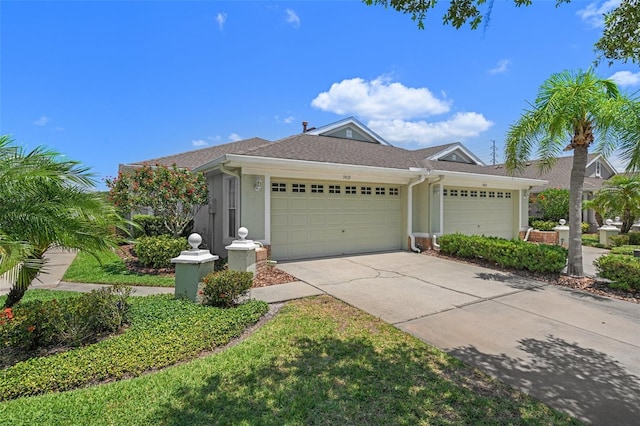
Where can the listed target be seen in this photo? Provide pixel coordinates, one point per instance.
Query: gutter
(434, 244)
(412, 237)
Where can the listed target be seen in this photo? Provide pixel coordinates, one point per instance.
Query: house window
(394, 191)
(278, 187)
(350, 190)
(334, 189)
(349, 133)
(231, 202)
(298, 187)
(380, 191)
(598, 168)
(365, 190)
(317, 189)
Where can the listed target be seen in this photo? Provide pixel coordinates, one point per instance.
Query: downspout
(434, 244)
(229, 172)
(412, 237)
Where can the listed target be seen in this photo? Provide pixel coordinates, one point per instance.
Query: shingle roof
(558, 176)
(199, 157)
(340, 151)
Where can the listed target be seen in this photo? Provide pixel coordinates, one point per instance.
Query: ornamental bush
(67, 322)
(634, 238)
(224, 288)
(626, 250)
(157, 252)
(622, 270)
(506, 253)
(553, 204)
(619, 240)
(150, 226)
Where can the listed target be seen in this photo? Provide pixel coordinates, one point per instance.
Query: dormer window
(349, 133)
(598, 169)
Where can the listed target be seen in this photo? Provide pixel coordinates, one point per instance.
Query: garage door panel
(321, 224)
(478, 215)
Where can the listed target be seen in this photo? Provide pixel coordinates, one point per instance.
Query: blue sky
(120, 81)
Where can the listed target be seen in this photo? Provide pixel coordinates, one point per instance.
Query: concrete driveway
(574, 351)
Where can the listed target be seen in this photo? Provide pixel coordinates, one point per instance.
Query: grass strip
(319, 361)
(110, 270)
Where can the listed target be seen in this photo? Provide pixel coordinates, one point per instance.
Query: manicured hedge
(622, 269)
(157, 252)
(506, 253)
(163, 331)
(627, 250)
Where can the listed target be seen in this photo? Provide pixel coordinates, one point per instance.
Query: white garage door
(313, 219)
(478, 212)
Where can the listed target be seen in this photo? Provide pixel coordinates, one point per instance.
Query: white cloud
(199, 143)
(593, 13)
(461, 126)
(285, 120)
(626, 78)
(221, 18)
(379, 99)
(500, 67)
(216, 138)
(293, 18)
(234, 137)
(42, 121)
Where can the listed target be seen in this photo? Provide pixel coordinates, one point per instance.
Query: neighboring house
(597, 172)
(342, 189)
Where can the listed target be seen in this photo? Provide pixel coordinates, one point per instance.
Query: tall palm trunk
(574, 265)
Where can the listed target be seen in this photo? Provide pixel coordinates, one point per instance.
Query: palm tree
(621, 195)
(572, 111)
(45, 201)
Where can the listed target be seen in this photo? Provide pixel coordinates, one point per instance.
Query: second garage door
(313, 219)
(473, 211)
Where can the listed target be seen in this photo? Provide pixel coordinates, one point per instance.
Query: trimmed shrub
(627, 250)
(68, 322)
(634, 238)
(506, 253)
(544, 225)
(623, 270)
(223, 288)
(157, 252)
(150, 226)
(584, 227)
(619, 240)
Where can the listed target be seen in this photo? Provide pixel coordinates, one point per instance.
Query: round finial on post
(243, 232)
(562, 222)
(617, 219)
(608, 222)
(194, 241)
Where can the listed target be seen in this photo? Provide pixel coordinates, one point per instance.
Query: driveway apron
(576, 352)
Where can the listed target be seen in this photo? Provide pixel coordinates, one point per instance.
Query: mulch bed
(266, 276)
(594, 286)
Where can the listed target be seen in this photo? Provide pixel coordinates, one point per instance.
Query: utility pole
(493, 152)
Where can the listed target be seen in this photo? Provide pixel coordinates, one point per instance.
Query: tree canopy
(620, 39)
(172, 193)
(575, 111)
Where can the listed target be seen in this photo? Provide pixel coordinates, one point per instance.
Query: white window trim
(225, 208)
(598, 168)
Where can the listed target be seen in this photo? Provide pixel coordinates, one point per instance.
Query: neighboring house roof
(559, 175)
(193, 159)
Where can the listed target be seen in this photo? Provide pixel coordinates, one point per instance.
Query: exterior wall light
(258, 185)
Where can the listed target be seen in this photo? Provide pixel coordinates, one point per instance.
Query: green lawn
(110, 270)
(319, 361)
